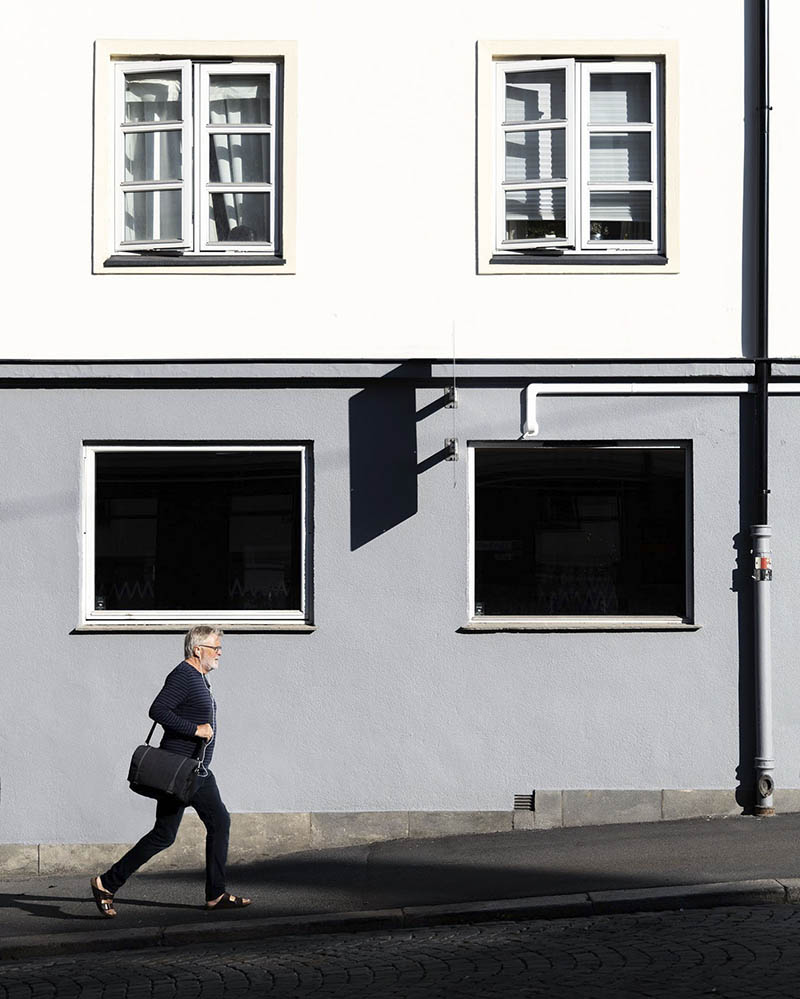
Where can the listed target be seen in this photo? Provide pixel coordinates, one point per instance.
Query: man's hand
(204, 732)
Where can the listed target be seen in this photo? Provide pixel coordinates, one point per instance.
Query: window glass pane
(239, 100)
(198, 531)
(152, 215)
(619, 215)
(239, 159)
(539, 214)
(580, 531)
(153, 96)
(153, 156)
(619, 97)
(239, 217)
(538, 155)
(536, 95)
(618, 158)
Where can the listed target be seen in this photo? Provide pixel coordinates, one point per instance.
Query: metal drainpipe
(761, 532)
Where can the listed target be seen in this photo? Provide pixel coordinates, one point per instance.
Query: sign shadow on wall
(383, 454)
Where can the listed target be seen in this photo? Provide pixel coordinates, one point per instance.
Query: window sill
(531, 263)
(495, 624)
(195, 260)
(579, 260)
(176, 627)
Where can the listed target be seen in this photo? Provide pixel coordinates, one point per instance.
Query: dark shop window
(580, 531)
(198, 530)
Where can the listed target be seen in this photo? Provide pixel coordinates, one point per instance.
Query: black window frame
(483, 621)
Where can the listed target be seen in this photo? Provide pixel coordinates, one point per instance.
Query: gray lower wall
(387, 706)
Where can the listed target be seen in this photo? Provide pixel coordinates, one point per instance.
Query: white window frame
(195, 184)
(184, 125)
(576, 622)
(663, 257)
(203, 132)
(587, 130)
(504, 128)
(578, 130)
(185, 618)
(108, 254)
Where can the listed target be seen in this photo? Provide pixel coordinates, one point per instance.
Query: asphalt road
(728, 953)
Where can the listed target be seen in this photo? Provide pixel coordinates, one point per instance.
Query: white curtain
(619, 158)
(152, 215)
(153, 96)
(546, 203)
(239, 158)
(536, 155)
(619, 97)
(620, 206)
(153, 155)
(536, 95)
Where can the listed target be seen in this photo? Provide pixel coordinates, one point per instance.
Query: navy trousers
(169, 812)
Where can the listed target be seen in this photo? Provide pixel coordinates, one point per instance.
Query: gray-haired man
(186, 709)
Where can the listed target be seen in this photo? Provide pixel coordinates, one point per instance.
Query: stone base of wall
(259, 836)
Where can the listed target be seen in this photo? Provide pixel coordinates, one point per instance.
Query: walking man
(187, 711)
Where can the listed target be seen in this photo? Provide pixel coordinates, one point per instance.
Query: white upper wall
(386, 229)
(784, 222)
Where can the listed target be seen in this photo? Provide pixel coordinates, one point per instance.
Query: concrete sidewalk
(574, 871)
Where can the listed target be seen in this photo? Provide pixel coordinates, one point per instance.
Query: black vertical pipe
(762, 365)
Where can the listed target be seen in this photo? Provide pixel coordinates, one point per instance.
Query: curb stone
(761, 892)
(284, 926)
(792, 886)
(61, 944)
(538, 907)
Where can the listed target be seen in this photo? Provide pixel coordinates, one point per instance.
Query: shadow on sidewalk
(442, 871)
(47, 907)
(298, 884)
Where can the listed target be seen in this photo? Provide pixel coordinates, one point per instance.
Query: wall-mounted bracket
(451, 395)
(451, 449)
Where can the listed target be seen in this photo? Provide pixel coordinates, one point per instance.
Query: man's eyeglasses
(214, 648)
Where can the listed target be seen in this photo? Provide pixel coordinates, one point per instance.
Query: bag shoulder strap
(202, 746)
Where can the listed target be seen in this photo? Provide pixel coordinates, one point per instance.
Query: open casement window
(577, 156)
(195, 164)
(535, 153)
(153, 155)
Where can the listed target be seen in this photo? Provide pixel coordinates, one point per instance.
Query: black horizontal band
(194, 260)
(580, 259)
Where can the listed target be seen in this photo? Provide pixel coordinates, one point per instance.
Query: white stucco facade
(385, 187)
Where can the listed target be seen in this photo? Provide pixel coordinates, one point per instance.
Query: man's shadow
(47, 907)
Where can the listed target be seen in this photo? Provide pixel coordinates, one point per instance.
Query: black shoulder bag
(156, 772)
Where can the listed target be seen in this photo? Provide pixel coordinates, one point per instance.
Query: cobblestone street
(733, 952)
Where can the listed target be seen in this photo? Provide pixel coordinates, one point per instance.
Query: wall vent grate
(524, 802)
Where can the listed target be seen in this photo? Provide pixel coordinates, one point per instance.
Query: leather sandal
(228, 901)
(103, 899)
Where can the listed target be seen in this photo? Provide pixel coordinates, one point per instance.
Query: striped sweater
(184, 702)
